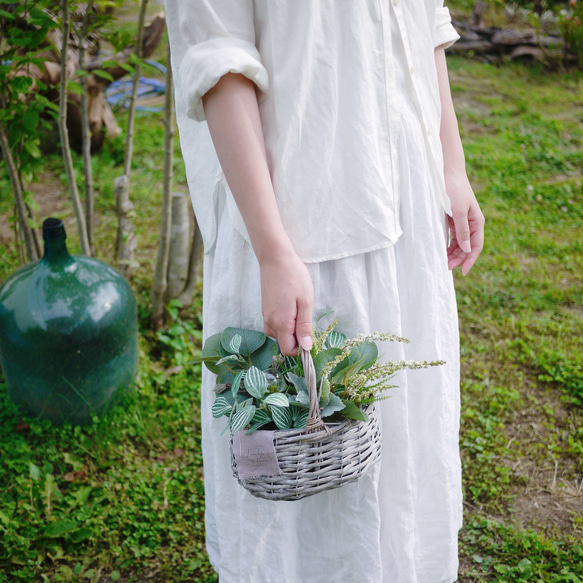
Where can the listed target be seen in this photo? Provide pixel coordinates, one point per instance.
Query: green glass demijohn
(68, 333)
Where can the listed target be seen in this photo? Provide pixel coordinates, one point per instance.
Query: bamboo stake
(86, 132)
(22, 214)
(160, 281)
(67, 158)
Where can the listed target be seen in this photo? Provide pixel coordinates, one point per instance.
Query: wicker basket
(319, 457)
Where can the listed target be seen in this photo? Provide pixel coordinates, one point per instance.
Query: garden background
(123, 498)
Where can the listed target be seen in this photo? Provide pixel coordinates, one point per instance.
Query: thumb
(304, 326)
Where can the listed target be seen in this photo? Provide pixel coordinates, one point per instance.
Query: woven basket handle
(314, 422)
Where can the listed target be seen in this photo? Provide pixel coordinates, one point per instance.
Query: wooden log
(179, 251)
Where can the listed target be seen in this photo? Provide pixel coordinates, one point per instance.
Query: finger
(304, 324)
(287, 344)
(462, 231)
(476, 222)
(269, 330)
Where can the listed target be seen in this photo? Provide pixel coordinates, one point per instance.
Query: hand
(287, 299)
(466, 224)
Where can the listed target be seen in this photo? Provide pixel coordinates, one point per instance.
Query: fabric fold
(204, 64)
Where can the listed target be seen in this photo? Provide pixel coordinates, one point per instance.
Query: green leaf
(335, 339)
(303, 398)
(298, 382)
(221, 407)
(262, 358)
(30, 120)
(230, 358)
(103, 74)
(353, 412)
(250, 340)
(281, 417)
(58, 529)
(323, 358)
(80, 535)
(21, 84)
(236, 384)
(211, 350)
(127, 68)
(74, 87)
(299, 414)
(324, 392)
(261, 416)
(34, 471)
(346, 373)
(242, 418)
(256, 382)
(276, 399)
(235, 343)
(368, 350)
(334, 404)
(73, 461)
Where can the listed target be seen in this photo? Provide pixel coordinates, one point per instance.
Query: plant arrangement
(258, 387)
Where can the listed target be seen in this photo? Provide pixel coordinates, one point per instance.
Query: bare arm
(467, 222)
(286, 288)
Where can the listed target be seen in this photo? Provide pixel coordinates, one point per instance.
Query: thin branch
(85, 130)
(22, 213)
(132, 110)
(160, 277)
(67, 158)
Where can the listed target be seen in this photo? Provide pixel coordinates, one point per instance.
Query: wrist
(274, 248)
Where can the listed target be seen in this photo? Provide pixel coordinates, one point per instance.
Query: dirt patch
(548, 471)
(53, 200)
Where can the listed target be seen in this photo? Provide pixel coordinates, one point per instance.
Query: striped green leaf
(255, 382)
(281, 417)
(335, 339)
(242, 418)
(221, 407)
(236, 384)
(276, 399)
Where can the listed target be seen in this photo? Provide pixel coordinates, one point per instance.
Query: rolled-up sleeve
(444, 34)
(210, 38)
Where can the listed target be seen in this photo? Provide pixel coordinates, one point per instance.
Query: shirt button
(412, 70)
(395, 2)
(428, 133)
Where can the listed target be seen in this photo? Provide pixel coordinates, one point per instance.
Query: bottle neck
(56, 251)
(55, 240)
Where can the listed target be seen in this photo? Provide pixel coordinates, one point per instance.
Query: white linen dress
(399, 523)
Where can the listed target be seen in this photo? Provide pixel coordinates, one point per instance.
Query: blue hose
(120, 91)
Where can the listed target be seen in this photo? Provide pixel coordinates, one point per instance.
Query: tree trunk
(126, 240)
(160, 281)
(194, 267)
(68, 160)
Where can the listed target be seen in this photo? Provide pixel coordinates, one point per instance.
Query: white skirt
(398, 524)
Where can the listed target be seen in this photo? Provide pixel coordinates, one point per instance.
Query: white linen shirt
(329, 103)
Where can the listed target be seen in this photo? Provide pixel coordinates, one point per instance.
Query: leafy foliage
(257, 387)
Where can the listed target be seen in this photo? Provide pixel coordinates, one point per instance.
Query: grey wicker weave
(319, 457)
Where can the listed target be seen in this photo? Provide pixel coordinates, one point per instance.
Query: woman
(340, 157)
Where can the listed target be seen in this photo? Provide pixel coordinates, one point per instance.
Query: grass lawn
(123, 499)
